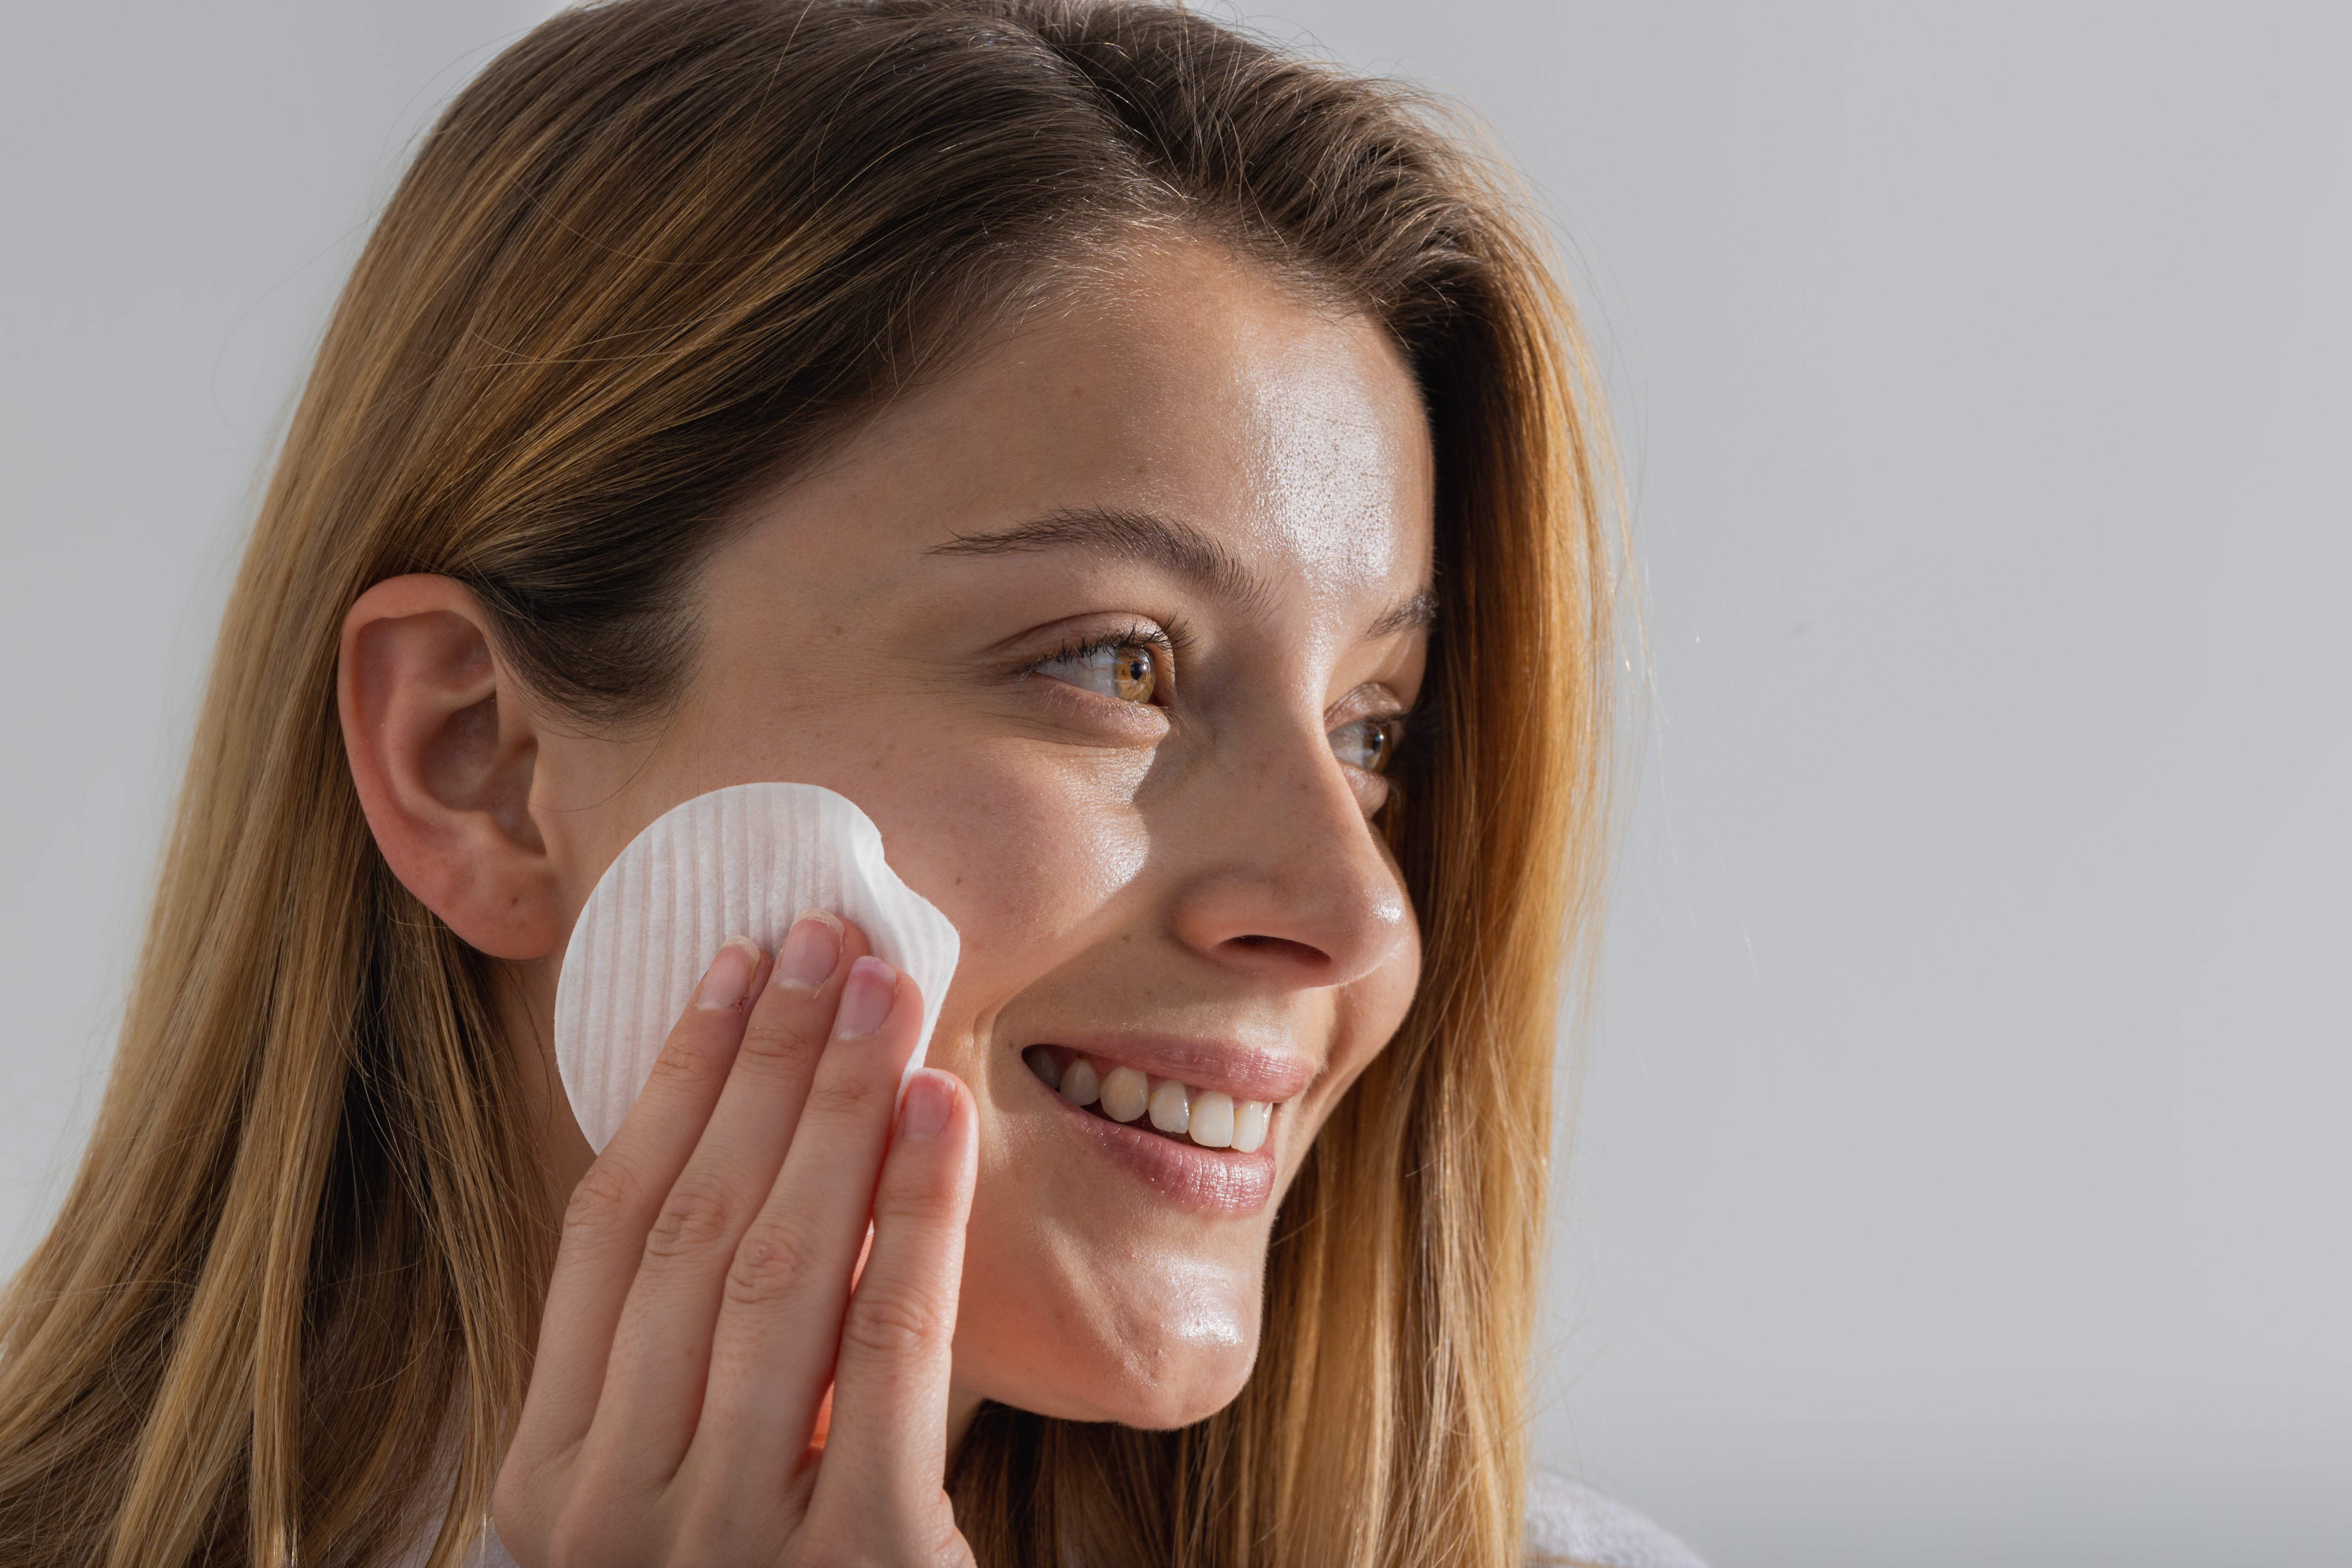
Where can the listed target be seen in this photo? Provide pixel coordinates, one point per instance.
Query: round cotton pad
(736, 862)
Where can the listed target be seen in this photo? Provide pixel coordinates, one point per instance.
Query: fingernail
(729, 976)
(811, 949)
(865, 999)
(927, 1107)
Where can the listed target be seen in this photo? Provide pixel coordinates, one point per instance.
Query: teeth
(1124, 1093)
(1079, 1084)
(1170, 1111)
(1212, 1121)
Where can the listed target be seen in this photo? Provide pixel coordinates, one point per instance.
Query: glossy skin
(1192, 879)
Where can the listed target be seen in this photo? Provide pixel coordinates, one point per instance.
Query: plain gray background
(1962, 1170)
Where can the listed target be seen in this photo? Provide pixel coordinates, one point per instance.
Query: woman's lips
(1212, 1181)
(1195, 1146)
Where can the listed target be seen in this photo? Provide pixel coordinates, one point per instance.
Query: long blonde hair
(651, 258)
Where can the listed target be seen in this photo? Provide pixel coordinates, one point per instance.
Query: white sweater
(1569, 1524)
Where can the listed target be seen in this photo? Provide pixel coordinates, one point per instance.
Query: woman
(1156, 479)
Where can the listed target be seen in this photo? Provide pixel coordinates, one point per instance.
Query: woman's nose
(1283, 875)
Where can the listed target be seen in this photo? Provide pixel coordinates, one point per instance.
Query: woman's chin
(1157, 1359)
(1176, 1391)
(1136, 1312)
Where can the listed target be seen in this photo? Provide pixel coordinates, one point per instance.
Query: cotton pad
(736, 862)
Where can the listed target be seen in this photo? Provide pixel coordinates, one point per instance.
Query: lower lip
(1210, 1181)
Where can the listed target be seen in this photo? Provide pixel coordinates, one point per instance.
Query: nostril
(1281, 947)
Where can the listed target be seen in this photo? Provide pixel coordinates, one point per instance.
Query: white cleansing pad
(735, 862)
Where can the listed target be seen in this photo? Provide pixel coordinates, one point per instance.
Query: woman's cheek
(1024, 854)
(1364, 1024)
(1374, 1007)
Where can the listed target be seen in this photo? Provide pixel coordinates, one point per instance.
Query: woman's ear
(441, 749)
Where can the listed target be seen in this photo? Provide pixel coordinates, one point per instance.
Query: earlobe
(442, 751)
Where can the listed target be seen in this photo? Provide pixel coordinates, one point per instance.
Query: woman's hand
(701, 1305)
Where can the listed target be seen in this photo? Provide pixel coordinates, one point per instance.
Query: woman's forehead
(1219, 408)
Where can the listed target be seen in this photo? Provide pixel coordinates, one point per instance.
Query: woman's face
(1106, 633)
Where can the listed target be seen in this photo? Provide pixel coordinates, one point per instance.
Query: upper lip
(1212, 1066)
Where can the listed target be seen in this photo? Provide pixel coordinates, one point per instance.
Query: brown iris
(1132, 673)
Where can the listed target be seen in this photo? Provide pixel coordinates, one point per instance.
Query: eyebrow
(1417, 614)
(1175, 546)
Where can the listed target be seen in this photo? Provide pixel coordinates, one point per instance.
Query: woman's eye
(1125, 672)
(1367, 743)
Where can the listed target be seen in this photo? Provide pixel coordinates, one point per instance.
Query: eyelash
(1164, 643)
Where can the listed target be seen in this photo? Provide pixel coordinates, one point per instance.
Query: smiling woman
(1155, 480)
